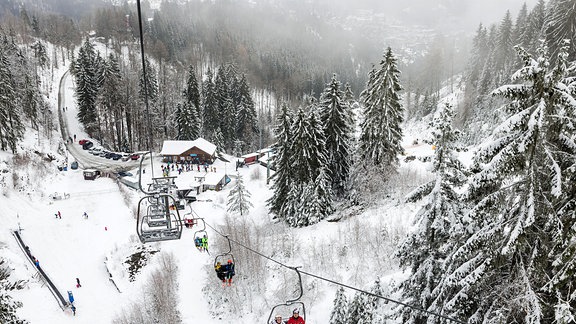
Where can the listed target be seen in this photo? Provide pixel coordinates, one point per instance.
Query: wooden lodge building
(196, 151)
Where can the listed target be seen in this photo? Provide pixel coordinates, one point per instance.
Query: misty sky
(466, 14)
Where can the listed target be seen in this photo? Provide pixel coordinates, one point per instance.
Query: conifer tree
(504, 45)
(536, 23)
(308, 144)
(110, 99)
(339, 314)
(187, 122)
(31, 101)
(338, 122)
(86, 71)
(246, 128)
(438, 222)
(8, 306)
(381, 134)
(561, 25)
(11, 127)
(239, 198)
(317, 200)
(372, 314)
(520, 26)
(226, 111)
(211, 117)
(191, 91)
(291, 209)
(358, 308)
(150, 84)
(511, 266)
(282, 161)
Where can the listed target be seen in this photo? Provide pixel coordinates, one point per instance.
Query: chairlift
(201, 234)
(157, 222)
(224, 265)
(291, 304)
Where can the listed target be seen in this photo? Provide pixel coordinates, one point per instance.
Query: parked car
(83, 141)
(74, 165)
(103, 153)
(109, 155)
(125, 157)
(87, 145)
(96, 151)
(124, 174)
(91, 174)
(116, 156)
(134, 157)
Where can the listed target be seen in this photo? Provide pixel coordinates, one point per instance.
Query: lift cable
(145, 78)
(335, 282)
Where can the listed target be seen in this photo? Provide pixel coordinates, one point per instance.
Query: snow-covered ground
(74, 247)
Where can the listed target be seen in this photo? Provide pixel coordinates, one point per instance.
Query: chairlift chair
(223, 258)
(293, 303)
(158, 222)
(199, 234)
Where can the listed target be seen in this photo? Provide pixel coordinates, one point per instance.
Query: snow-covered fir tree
(314, 202)
(308, 146)
(211, 120)
(246, 128)
(11, 127)
(226, 111)
(188, 113)
(87, 74)
(111, 104)
(381, 135)
(438, 222)
(561, 25)
(187, 121)
(359, 309)
(338, 124)
(317, 200)
(8, 306)
(191, 91)
(516, 263)
(239, 198)
(282, 159)
(372, 315)
(339, 314)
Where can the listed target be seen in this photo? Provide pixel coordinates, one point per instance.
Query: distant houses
(196, 151)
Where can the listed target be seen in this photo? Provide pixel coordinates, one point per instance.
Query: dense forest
(493, 242)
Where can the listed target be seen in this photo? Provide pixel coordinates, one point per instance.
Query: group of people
(294, 319)
(185, 167)
(225, 272)
(201, 243)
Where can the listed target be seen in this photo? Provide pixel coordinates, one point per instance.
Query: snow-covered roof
(179, 147)
(213, 178)
(249, 155)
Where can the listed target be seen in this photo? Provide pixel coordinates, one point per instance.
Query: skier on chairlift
(295, 318)
(204, 242)
(198, 243)
(277, 320)
(220, 272)
(229, 272)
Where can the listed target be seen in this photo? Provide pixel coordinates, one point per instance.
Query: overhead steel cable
(145, 81)
(334, 281)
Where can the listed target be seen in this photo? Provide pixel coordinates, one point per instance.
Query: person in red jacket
(295, 319)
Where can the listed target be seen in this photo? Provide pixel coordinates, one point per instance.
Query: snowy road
(69, 127)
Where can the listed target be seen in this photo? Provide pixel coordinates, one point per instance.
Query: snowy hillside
(354, 251)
